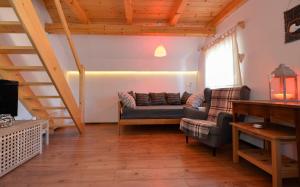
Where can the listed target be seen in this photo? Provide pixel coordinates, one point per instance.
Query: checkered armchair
(212, 127)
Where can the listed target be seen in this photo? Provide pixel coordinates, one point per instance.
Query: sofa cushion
(221, 101)
(127, 100)
(158, 98)
(195, 100)
(198, 128)
(142, 99)
(173, 98)
(154, 112)
(185, 97)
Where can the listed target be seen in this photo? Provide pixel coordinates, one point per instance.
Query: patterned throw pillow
(185, 97)
(158, 98)
(131, 93)
(195, 100)
(142, 99)
(127, 100)
(173, 98)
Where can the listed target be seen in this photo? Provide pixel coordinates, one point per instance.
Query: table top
(270, 131)
(21, 124)
(270, 103)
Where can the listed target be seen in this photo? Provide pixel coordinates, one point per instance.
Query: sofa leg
(186, 139)
(214, 151)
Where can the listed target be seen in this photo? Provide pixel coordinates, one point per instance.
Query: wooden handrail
(80, 67)
(82, 93)
(68, 33)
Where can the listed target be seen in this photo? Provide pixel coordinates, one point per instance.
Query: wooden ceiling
(141, 17)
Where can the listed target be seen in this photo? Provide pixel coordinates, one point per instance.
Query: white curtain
(222, 67)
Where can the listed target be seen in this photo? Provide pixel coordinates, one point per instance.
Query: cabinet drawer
(241, 109)
(251, 110)
(283, 114)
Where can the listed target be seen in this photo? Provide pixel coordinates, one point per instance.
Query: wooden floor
(140, 157)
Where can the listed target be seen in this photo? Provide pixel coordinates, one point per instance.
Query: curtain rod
(240, 24)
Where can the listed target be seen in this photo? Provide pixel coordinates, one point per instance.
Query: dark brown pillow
(158, 98)
(142, 99)
(185, 97)
(173, 98)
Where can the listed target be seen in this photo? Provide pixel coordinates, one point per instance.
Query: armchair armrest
(224, 119)
(223, 123)
(194, 113)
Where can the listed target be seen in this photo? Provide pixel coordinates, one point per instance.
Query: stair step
(60, 117)
(50, 108)
(4, 3)
(17, 50)
(11, 26)
(22, 68)
(42, 97)
(36, 84)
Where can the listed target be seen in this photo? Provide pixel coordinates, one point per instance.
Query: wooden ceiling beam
(229, 8)
(178, 12)
(128, 5)
(104, 29)
(77, 11)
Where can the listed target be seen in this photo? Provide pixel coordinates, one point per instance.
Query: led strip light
(134, 73)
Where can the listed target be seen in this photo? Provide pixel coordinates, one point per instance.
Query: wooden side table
(272, 162)
(278, 112)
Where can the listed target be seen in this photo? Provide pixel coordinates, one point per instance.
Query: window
(222, 64)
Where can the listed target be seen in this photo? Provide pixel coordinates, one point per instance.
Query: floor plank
(141, 156)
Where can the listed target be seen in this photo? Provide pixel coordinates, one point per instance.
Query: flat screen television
(9, 97)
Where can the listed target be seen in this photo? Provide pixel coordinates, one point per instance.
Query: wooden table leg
(235, 144)
(267, 146)
(297, 124)
(276, 164)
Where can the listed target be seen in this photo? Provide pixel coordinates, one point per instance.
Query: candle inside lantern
(280, 96)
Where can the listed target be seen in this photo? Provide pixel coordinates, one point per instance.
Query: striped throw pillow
(127, 100)
(142, 99)
(173, 98)
(158, 98)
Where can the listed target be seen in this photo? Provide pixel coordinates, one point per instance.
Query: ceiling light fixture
(160, 51)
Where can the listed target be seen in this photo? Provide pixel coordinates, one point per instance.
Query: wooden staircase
(30, 24)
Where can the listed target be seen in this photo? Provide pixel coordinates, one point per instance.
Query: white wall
(262, 41)
(132, 53)
(263, 44)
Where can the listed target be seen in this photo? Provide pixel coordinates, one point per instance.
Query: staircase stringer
(38, 37)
